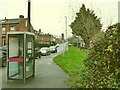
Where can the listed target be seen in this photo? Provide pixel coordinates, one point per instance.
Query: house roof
(11, 21)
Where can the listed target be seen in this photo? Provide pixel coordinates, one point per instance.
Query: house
(11, 25)
(58, 40)
(77, 41)
(43, 39)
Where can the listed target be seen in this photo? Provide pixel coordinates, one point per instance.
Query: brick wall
(43, 38)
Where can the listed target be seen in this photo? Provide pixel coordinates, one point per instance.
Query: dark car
(3, 55)
(37, 53)
(4, 60)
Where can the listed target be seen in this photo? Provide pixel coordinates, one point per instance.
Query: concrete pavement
(48, 75)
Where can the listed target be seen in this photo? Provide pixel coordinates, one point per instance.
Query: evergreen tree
(86, 25)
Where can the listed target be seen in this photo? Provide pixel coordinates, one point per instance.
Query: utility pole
(66, 26)
(29, 15)
(65, 40)
(66, 46)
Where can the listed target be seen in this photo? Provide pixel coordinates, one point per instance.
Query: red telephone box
(20, 58)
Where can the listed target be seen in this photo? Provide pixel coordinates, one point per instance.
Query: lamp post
(66, 27)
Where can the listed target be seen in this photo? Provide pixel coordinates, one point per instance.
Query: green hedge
(103, 62)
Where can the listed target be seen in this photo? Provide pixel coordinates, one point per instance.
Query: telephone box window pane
(15, 70)
(13, 43)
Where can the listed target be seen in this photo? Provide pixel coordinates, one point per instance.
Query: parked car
(53, 49)
(4, 60)
(3, 55)
(57, 45)
(37, 53)
(45, 51)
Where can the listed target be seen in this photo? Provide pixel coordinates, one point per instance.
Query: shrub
(102, 65)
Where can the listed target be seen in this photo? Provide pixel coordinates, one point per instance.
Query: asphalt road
(48, 74)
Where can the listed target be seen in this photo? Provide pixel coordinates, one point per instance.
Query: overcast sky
(49, 15)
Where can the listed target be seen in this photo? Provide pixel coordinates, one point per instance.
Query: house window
(26, 23)
(12, 28)
(42, 39)
(3, 30)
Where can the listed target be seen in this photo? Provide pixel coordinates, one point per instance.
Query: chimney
(5, 19)
(21, 16)
(39, 31)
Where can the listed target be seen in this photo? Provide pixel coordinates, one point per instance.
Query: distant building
(76, 40)
(119, 11)
(11, 25)
(58, 40)
(45, 39)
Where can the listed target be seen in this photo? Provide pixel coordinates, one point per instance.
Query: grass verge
(72, 61)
